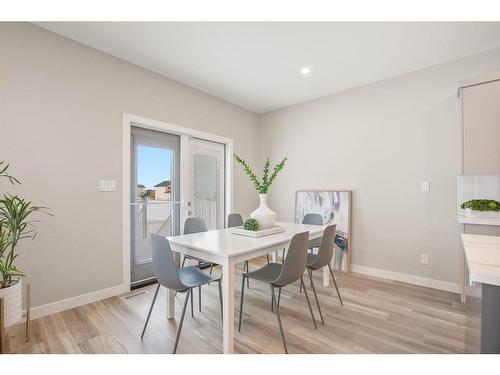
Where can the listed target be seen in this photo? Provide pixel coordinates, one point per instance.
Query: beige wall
(61, 107)
(381, 141)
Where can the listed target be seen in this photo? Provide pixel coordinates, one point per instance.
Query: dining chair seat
(193, 277)
(311, 259)
(267, 274)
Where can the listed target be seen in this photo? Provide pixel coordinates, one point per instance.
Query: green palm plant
(262, 186)
(15, 225)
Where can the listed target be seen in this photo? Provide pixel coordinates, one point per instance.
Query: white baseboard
(410, 279)
(69, 303)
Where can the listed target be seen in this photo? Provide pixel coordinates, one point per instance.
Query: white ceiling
(257, 65)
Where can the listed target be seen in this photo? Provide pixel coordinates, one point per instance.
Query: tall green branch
(261, 187)
(277, 168)
(253, 178)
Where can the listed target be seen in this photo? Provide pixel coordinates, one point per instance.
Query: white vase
(263, 214)
(13, 303)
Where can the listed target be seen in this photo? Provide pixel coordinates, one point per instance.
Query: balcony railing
(150, 216)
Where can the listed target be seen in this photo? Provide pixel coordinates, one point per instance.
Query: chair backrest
(313, 219)
(234, 220)
(325, 252)
(194, 225)
(295, 261)
(164, 266)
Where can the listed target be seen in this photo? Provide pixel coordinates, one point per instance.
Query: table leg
(170, 304)
(275, 257)
(463, 276)
(463, 281)
(228, 277)
(171, 293)
(326, 276)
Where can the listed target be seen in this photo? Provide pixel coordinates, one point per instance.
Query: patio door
(155, 195)
(207, 170)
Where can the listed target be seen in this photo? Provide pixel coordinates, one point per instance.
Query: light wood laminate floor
(379, 316)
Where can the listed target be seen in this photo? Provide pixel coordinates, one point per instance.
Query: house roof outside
(141, 186)
(163, 184)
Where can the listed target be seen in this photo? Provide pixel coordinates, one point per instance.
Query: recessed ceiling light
(305, 70)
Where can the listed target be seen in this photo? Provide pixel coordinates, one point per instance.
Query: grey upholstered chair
(279, 275)
(236, 220)
(181, 280)
(196, 225)
(323, 259)
(313, 219)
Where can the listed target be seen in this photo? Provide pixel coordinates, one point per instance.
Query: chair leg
(279, 297)
(150, 310)
(315, 295)
(192, 309)
(279, 319)
(335, 283)
(309, 303)
(220, 298)
(267, 255)
(241, 301)
(300, 288)
(247, 265)
(283, 257)
(211, 267)
(178, 334)
(199, 298)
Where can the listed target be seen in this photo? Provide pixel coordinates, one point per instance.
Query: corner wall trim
(69, 303)
(410, 279)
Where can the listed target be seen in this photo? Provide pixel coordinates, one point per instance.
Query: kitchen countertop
(482, 254)
(478, 220)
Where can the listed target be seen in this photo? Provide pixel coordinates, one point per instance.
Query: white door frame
(130, 120)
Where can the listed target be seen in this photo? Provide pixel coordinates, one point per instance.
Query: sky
(153, 165)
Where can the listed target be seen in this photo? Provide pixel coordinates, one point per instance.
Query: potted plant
(263, 214)
(15, 225)
(481, 208)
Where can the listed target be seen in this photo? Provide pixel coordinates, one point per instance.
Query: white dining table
(227, 249)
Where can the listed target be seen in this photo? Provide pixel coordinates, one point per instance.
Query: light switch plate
(425, 186)
(107, 185)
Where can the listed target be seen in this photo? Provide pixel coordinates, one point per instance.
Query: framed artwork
(335, 208)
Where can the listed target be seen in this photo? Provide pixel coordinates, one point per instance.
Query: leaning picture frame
(334, 206)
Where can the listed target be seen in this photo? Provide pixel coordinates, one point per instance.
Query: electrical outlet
(425, 186)
(424, 258)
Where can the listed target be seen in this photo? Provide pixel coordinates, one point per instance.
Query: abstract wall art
(335, 208)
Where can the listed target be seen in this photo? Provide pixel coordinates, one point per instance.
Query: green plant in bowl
(482, 205)
(251, 224)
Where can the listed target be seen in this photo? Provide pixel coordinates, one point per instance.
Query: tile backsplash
(477, 186)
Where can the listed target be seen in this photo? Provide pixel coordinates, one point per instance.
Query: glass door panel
(155, 195)
(207, 190)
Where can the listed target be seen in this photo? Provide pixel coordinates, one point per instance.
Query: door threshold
(142, 283)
